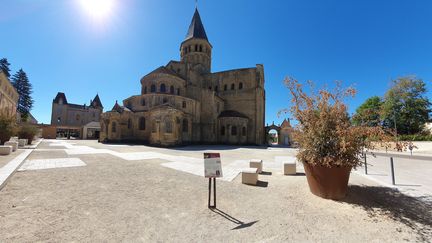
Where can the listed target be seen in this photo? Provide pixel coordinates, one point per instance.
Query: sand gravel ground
(113, 200)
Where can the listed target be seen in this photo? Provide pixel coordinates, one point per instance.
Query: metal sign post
(392, 170)
(365, 161)
(214, 193)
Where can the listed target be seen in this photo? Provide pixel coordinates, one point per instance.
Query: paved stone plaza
(411, 173)
(70, 190)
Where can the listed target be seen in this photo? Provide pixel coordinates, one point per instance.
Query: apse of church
(183, 102)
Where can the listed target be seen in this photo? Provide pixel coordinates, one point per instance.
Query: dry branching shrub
(325, 133)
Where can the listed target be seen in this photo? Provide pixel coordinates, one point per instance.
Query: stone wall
(8, 96)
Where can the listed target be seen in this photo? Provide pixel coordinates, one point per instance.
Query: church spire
(196, 49)
(196, 28)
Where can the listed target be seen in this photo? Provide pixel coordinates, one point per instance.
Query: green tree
(406, 105)
(24, 88)
(369, 113)
(4, 66)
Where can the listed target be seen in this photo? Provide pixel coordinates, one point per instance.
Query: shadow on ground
(299, 174)
(216, 147)
(241, 224)
(414, 212)
(266, 173)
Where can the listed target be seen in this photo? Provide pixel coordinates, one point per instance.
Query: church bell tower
(196, 49)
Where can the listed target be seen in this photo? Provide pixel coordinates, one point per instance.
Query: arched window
(142, 123)
(164, 100)
(172, 89)
(185, 50)
(145, 90)
(240, 85)
(185, 125)
(223, 131)
(153, 88)
(178, 91)
(225, 87)
(168, 126)
(216, 88)
(244, 131)
(162, 88)
(234, 130)
(200, 48)
(232, 86)
(129, 123)
(184, 104)
(196, 47)
(114, 127)
(189, 48)
(143, 102)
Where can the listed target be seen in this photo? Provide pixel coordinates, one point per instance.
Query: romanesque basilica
(184, 102)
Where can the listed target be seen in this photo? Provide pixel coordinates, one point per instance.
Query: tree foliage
(24, 88)
(406, 105)
(369, 113)
(27, 131)
(4, 66)
(7, 127)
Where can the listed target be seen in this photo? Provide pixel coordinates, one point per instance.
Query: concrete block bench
(250, 176)
(256, 163)
(13, 144)
(22, 142)
(13, 139)
(5, 150)
(289, 168)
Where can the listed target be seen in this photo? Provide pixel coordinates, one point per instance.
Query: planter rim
(338, 166)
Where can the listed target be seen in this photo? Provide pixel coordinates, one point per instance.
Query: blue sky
(365, 43)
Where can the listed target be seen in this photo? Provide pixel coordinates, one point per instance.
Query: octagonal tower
(196, 50)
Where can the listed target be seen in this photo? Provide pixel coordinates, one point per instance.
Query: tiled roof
(59, 96)
(231, 113)
(196, 28)
(163, 70)
(96, 102)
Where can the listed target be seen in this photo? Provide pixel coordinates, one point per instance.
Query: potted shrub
(330, 146)
(27, 131)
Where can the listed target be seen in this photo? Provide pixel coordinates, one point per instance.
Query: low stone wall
(421, 146)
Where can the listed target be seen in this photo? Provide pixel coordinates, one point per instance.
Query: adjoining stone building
(184, 102)
(70, 120)
(284, 133)
(8, 96)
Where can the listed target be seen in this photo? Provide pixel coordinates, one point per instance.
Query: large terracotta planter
(328, 183)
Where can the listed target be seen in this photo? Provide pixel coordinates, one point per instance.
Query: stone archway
(270, 128)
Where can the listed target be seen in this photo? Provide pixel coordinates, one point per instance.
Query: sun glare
(98, 8)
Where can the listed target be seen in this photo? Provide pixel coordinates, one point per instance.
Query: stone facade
(286, 133)
(184, 102)
(68, 117)
(8, 96)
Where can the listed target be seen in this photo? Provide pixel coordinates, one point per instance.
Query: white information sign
(212, 165)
